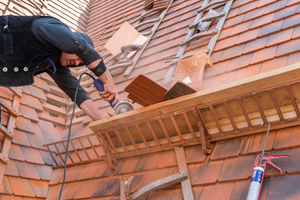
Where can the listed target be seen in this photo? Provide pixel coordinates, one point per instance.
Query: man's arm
(91, 110)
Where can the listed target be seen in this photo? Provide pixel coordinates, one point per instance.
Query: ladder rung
(211, 4)
(208, 18)
(198, 36)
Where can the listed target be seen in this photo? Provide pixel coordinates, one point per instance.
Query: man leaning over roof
(31, 45)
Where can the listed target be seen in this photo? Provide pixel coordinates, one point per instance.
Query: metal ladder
(190, 37)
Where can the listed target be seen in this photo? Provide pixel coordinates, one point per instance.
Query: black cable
(67, 148)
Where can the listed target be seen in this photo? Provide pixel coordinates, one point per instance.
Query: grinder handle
(99, 85)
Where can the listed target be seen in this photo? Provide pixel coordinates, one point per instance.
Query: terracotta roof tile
(239, 3)
(219, 191)
(293, 161)
(40, 188)
(273, 64)
(289, 47)
(293, 58)
(53, 192)
(291, 21)
(168, 159)
(21, 138)
(15, 152)
(24, 124)
(33, 102)
(265, 2)
(44, 171)
(21, 187)
(40, 83)
(289, 191)
(72, 173)
(32, 155)
(4, 118)
(225, 33)
(247, 36)
(29, 113)
(247, 72)
(276, 6)
(280, 162)
(6, 197)
(266, 19)
(254, 143)
(88, 171)
(223, 78)
(148, 162)
(255, 45)
(38, 93)
(287, 138)
(239, 62)
(248, 7)
(194, 154)
(232, 52)
(3, 93)
(263, 55)
(70, 189)
(236, 168)
(167, 194)
(296, 33)
(49, 132)
(11, 169)
(240, 190)
(281, 14)
(226, 149)
(6, 186)
(228, 42)
(216, 56)
(281, 37)
(232, 13)
(270, 29)
(87, 189)
(108, 187)
(234, 21)
(206, 173)
(27, 170)
(104, 170)
(57, 175)
(37, 139)
(292, 2)
(26, 90)
(254, 14)
(47, 157)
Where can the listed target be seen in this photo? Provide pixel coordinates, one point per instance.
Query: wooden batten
(254, 83)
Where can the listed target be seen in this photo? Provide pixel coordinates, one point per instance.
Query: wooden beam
(254, 83)
(123, 180)
(182, 166)
(161, 183)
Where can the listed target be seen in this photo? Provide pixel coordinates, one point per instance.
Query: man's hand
(109, 92)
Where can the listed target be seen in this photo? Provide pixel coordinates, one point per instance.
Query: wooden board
(145, 92)
(178, 90)
(254, 83)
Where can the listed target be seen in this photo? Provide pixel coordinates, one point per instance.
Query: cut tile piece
(194, 154)
(240, 190)
(216, 192)
(206, 173)
(281, 37)
(239, 62)
(32, 155)
(289, 191)
(293, 166)
(237, 168)
(40, 188)
(226, 149)
(254, 143)
(288, 48)
(27, 170)
(167, 160)
(273, 64)
(21, 187)
(44, 171)
(263, 55)
(279, 162)
(287, 138)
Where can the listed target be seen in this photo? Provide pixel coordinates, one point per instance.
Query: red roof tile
(226, 149)
(87, 189)
(287, 138)
(296, 33)
(224, 44)
(32, 155)
(57, 175)
(216, 56)
(237, 168)
(234, 21)
(194, 154)
(33, 102)
(72, 173)
(148, 162)
(223, 78)
(270, 29)
(240, 190)
(49, 132)
(291, 21)
(247, 72)
(88, 171)
(108, 187)
(232, 52)
(44, 171)
(239, 3)
(70, 189)
(265, 2)
(247, 36)
(255, 45)
(47, 157)
(168, 159)
(38, 93)
(254, 14)
(27, 170)
(273, 64)
(21, 187)
(289, 47)
(293, 58)
(15, 152)
(21, 138)
(167, 194)
(248, 7)
(293, 161)
(6, 186)
(40, 188)
(29, 113)
(53, 192)
(281, 14)
(263, 55)
(254, 143)
(292, 2)
(11, 169)
(104, 170)
(37, 139)
(276, 6)
(279, 162)
(280, 37)
(225, 33)
(266, 19)
(24, 124)
(206, 173)
(239, 62)
(219, 191)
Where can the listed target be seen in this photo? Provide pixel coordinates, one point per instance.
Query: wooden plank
(161, 183)
(178, 90)
(123, 180)
(182, 166)
(258, 82)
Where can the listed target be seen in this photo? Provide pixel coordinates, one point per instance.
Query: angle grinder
(120, 106)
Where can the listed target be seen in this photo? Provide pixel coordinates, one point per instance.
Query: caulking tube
(256, 183)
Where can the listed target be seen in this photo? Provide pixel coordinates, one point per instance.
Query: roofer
(31, 45)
